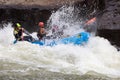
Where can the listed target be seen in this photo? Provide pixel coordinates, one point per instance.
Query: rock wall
(111, 18)
(29, 12)
(112, 35)
(109, 22)
(37, 2)
(29, 18)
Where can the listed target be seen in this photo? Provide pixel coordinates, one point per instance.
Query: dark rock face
(37, 2)
(111, 18)
(112, 35)
(29, 18)
(29, 12)
(109, 22)
(90, 8)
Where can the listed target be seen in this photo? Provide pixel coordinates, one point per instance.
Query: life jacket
(18, 33)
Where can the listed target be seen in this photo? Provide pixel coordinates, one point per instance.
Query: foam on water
(6, 34)
(98, 55)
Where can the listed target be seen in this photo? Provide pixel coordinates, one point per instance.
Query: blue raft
(77, 39)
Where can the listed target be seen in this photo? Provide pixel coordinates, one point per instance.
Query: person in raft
(41, 32)
(18, 33)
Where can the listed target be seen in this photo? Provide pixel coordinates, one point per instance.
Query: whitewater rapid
(97, 55)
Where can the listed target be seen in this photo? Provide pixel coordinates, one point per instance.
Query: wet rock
(112, 35)
(111, 18)
(109, 22)
(28, 18)
(29, 12)
(37, 2)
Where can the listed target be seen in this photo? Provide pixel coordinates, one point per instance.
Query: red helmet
(41, 24)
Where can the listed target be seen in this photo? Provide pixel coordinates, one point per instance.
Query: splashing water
(6, 34)
(98, 55)
(66, 19)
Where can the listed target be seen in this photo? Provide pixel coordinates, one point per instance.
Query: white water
(98, 55)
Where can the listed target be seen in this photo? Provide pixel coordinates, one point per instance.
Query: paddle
(15, 41)
(26, 32)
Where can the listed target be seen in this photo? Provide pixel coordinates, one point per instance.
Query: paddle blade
(15, 41)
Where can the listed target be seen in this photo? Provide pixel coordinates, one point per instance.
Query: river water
(95, 60)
